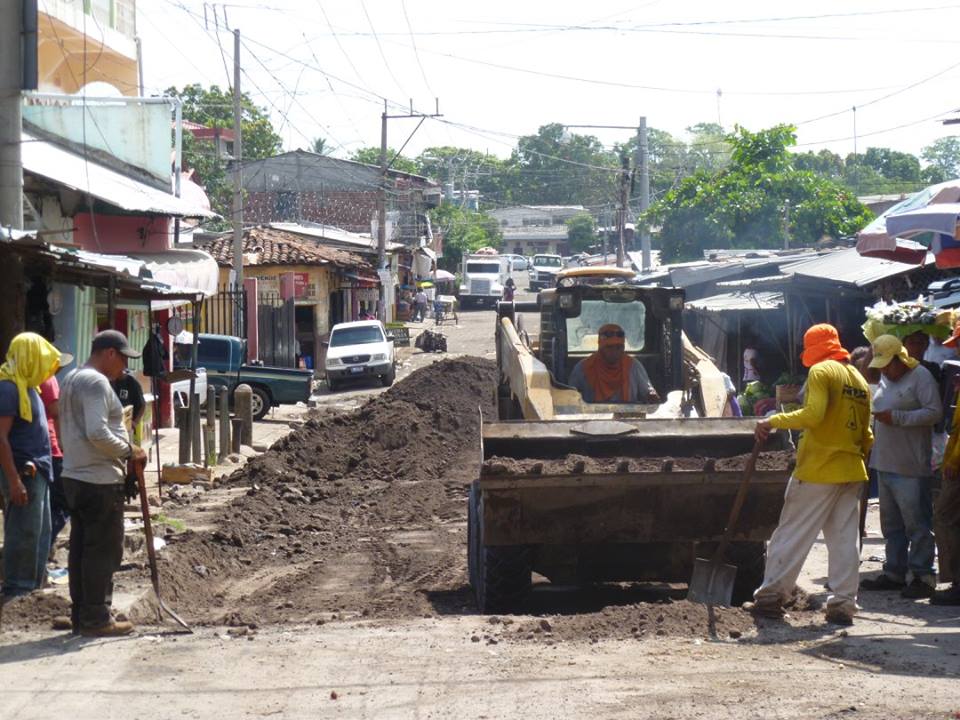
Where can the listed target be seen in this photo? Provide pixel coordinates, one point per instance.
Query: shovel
(151, 551)
(712, 580)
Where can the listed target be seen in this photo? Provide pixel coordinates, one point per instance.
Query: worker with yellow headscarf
(26, 466)
(906, 406)
(610, 375)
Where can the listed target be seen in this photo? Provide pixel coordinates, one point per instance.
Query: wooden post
(212, 421)
(237, 432)
(183, 423)
(196, 432)
(209, 445)
(224, 404)
(243, 408)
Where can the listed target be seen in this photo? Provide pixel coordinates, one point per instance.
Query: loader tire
(499, 574)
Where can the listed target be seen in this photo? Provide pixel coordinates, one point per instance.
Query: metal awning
(183, 270)
(105, 184)
(738, 302)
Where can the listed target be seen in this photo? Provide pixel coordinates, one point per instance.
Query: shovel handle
(148, 529)
(737, 504)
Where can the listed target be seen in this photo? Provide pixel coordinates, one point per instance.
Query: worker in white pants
(809, 508)
(824, 492)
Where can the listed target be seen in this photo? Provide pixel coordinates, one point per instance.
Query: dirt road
(328, 579)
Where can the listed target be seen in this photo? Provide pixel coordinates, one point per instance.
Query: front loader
(583, 492)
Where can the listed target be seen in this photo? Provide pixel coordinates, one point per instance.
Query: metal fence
(223, 314)
(277, 330)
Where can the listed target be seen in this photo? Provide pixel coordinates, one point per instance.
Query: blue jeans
(26, 537)
(906, 520)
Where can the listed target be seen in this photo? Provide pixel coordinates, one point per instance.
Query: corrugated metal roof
(738, 302)
(77, 173)
(848, 267)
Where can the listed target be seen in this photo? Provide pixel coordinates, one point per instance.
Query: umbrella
(444, 276)
(935, 210)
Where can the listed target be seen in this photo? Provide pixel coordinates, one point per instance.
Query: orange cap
(822, 342)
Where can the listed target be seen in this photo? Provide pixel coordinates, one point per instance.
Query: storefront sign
(303, 287)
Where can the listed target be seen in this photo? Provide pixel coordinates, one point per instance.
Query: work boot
(773, 610)
(950, 596)
(115, 628)
(882, 582)
(836, 616)
(917, 589)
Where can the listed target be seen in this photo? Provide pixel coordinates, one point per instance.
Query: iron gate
(277, 330)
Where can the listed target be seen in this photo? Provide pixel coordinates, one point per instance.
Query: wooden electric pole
(382, 195)
(238, 169)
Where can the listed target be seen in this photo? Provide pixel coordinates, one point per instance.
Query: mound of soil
(33, 612)
(359, 513)
(778, 461)
(640, 621)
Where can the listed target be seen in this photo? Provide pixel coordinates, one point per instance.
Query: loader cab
(572, 313)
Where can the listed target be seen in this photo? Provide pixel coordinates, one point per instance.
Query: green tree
(943, 157)
(320, 146)
(371, 156)
(581, 231)
(745, 204)
(893, 164)
(213, 108)
(463, 232)
(471, 170)
(825, 163)
(555, 167)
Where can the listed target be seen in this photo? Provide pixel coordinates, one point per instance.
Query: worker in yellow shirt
(824, 492)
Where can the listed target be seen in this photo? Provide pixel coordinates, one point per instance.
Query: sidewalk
(279, 423)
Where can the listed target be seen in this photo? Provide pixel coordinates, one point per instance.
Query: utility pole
(238, 171)
(382, 195)
(643, 166)
(622, 212)
(11, 82)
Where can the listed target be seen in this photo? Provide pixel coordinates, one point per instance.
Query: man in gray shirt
(95, 453)
(906, 406)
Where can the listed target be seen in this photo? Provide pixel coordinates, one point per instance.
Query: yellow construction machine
(580, 492)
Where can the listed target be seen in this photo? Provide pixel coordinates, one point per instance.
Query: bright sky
(501, 69)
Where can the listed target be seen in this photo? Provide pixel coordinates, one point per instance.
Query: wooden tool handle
(737, 503)
(148, 528)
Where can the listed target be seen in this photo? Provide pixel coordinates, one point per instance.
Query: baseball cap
(113, 340)
(886, 348)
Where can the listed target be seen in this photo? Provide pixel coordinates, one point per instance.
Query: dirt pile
(33, 611)
(358, 513)
(779, 461)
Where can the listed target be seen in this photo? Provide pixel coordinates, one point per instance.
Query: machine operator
(610, 375)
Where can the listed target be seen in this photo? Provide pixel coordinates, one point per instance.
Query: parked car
(223, 357)
(359, 349)
(517, 262)
(543, 271)
(181, 389)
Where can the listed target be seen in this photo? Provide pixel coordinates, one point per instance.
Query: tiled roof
(266, 246)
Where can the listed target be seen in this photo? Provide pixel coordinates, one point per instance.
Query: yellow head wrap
(30, 361)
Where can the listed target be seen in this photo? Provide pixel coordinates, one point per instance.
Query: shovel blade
(711, 583)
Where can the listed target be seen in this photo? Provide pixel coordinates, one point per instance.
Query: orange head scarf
(604, 379)
(822, 342)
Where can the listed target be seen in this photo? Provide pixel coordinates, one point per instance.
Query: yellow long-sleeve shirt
(835, 419)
